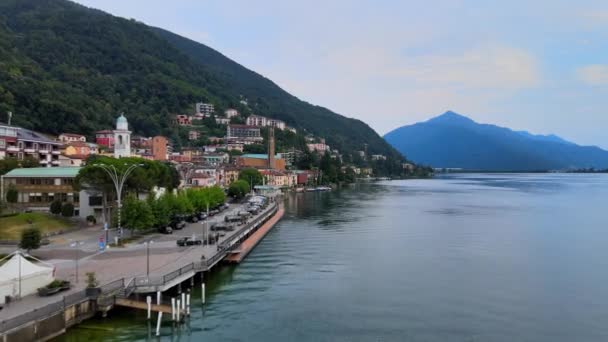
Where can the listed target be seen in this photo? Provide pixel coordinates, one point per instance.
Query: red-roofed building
(105, 138)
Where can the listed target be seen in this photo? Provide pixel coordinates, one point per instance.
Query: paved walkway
(115, 263)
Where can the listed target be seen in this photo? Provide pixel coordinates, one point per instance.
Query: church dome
(121, 123)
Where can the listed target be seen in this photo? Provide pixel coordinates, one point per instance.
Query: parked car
(202, 216)
(193, 218)
(186, 241)
(165, 230)
(178, 222)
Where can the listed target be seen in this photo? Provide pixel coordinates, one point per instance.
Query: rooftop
(28, 135)
(259, 156)
(44, 172)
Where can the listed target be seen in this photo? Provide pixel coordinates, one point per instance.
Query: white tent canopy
(21, 277)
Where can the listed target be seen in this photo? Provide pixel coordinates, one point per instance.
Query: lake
(464, 257)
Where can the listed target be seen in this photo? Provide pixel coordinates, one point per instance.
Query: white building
(256, 120)
(230, 113)
(204, 108)
(222, 121)
(278, 124)
(122, 138)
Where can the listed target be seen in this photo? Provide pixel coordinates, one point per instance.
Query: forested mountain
(65, 67)
(455, 141)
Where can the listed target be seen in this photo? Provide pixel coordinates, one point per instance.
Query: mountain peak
(451, 118)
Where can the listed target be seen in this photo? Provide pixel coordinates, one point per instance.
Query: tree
(161, 210)
(8, 164)
(30, 162)
(30, 239)
(136, 214)
(55, 207)
(253, 176)
(12, 194)
(238, 189)
(67, 209)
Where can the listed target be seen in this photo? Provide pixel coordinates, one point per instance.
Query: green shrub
(67, 210)
(55, 207)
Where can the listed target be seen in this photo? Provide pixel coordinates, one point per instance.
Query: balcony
(12, 148)
(44, 151)
(29, 150)
(56, 152)
(55, 162)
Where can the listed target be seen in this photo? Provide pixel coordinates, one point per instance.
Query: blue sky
(536, 65)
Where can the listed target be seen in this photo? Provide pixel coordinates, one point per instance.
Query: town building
(291, 129)
(122, 138)
(159, 148)
(77, 148)
(194, 135)
(71, 161)
(277, 178)
(243, 132)
(278, 124)
(318, 147)
(256, 120)
(202, 180)
(21, 143)
(259, 161)
(105, 138)
(229, 174)
(378, 157)
(222, 121)
(234, 147)
(231, 113)
(182, 120)
(204, 108)
(71, 137)
(215, 158)
(39, 186)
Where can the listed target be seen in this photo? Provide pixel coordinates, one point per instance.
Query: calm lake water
(459, 258)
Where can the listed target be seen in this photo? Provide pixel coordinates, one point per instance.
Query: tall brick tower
(271, 163)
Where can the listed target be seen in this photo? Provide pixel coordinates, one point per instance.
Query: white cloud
(594, 74)
(498, 67)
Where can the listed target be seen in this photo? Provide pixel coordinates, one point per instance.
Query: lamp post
(148, 258)
(76, 245)
(118, 178)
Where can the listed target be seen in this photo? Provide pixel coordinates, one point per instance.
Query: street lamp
(76, 245)
(118, 178)
(148, 258)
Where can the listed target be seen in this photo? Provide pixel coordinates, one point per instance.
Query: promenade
(129, 262)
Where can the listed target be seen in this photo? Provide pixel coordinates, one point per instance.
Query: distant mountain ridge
(452, 140)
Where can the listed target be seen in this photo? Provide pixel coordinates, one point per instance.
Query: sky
(540, 65)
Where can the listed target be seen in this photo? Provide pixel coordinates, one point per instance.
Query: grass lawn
(12, 226)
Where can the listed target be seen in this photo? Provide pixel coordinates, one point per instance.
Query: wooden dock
(246, 246)
(136, 304)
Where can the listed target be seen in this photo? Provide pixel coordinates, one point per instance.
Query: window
(2, 143)
(95, 200)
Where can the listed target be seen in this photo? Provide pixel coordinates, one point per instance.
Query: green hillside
(68, 68)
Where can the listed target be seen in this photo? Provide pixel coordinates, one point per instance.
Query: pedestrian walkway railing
(43, 312)
(232, 242)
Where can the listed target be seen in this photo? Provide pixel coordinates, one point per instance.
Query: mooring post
(203, 292)
(184, 301)
(179, 308)
(149, 302)
(173, 309)
(158, 298)
(160, 317)
(188, 304)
